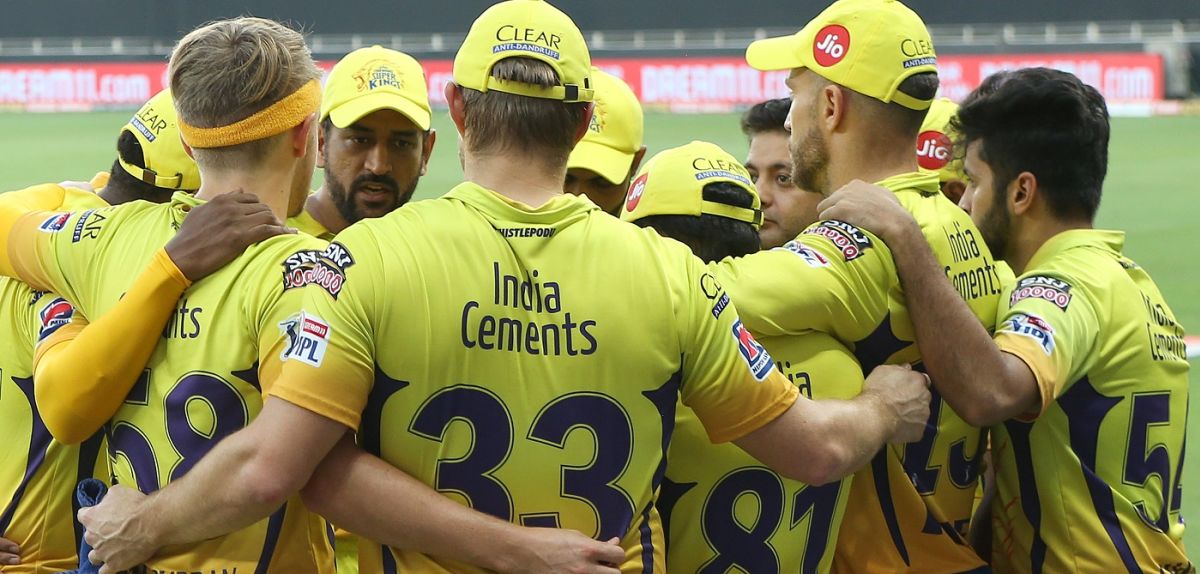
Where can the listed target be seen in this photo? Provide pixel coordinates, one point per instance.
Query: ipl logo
(831, 45)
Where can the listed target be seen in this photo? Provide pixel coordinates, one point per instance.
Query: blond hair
(228, 70)
(498, 121)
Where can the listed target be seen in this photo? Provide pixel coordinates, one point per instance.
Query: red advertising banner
(679, 84)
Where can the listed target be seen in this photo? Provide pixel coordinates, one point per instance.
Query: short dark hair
(711, 237)
(543, 128)
(766, 117)
(126, 184)
(1045, 122)
(898, 120)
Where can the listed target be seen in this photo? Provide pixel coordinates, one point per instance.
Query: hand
(868, 206)
(84, 185)
(216, 232)
(10, 553)
(554, 550)
(119, 536)
(904, 393)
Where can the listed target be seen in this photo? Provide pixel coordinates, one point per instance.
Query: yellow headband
(274, 119)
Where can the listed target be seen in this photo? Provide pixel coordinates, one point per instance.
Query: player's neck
(320, 207)
(515, 177)
(870, 163)
(272, 186)
(1031, 234)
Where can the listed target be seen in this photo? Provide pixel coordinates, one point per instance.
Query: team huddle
(890, 340)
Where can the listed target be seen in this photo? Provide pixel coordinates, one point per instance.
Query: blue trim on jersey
(274, 526)
(1031, 505)
(389, 561)
(1086, 408)
(883, 491)
(39, 443)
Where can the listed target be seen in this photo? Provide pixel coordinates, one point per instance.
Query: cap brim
(611, 164)
(353, 110)
(771, 54)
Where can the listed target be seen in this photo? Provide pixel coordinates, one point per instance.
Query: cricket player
(787, 209)
(604, 161)
(863, 75)
(710, 522)
(39, 473)
(466, 345)
(1085, 380)
(374, 140)
(936, 151)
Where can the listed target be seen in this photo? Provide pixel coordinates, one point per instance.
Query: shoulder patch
(308, 338)
(1033, 327)
(1042, 287)
(849, 239)
(756, 357)
(55, 223)
(810, 256)
(54, 316)
(713, 291)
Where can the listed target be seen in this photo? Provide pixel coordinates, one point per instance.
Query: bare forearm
(956, 348)
(201, 505)
(856, 429)
(411, 515)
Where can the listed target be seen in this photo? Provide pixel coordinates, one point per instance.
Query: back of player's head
(238, 84)
(525, 72)
(766, 116)
(151, 160)
(699, 195)
(1045, 122)
(879, 49)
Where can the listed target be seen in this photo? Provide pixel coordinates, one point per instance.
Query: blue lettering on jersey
(1033, 327)
(756, 357)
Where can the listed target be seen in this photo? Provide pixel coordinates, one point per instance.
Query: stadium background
(86, 64)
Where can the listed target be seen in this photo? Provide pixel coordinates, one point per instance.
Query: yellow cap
(672, 183)
(372, 79)
(935, 144)
(869, 46)
(615, 134)
(167, 164)
(526, 29)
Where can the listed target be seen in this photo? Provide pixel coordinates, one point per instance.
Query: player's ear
(187, 148)
(321, 143)
(582, 128)
(1022, 192)
(832, 99)
(427, 149)
(458, 106)
(302, 134)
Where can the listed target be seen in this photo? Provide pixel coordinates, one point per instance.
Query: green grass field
(1153, 193)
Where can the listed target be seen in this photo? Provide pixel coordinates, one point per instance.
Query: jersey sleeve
(729, 379)
(834, 278)
(1052, 327)
(328, 363)
(82, 371)
(53, 250)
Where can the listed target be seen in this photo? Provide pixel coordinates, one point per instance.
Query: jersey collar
(502, 208)
(1108, 240)
(921, 182)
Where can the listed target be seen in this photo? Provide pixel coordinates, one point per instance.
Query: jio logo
(933, 150)
(635, 192)
(831, 45)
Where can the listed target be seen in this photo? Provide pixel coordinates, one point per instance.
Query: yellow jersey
(910, 508)
(469, 348)
(204, 381)
(37, 473)
(305, 223)
(723, 511)
(1092, 482)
